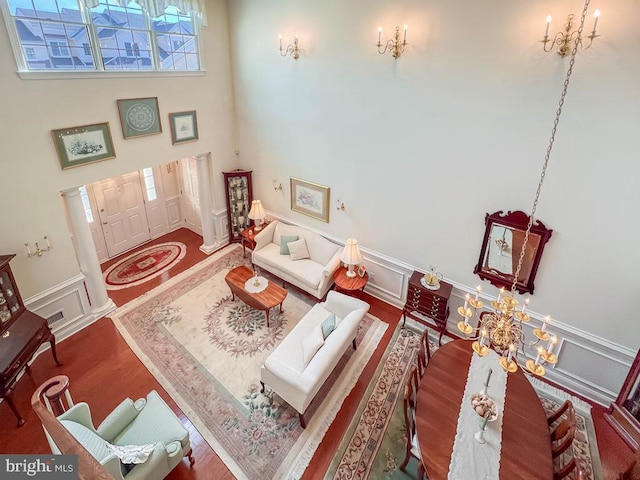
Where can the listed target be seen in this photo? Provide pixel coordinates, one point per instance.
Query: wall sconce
(340, 205)
(565, 39)
(292, 50)
(38, 251)
(394, 46)
(277, 186)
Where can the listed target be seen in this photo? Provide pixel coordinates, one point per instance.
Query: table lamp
(351, 256)
(257, 214)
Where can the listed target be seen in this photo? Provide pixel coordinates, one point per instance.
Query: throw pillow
(312, 344)
(298, 249)
(328, 325)
(284, 243)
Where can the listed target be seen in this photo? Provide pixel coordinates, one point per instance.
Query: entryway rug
(144, 265)
(373, 447)
(206, 351)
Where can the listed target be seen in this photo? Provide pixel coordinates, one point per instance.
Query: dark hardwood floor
(103, 370)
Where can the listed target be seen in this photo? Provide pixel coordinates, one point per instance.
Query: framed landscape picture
(139, 117)
(184, 127)
(310, 199)
(80, 145)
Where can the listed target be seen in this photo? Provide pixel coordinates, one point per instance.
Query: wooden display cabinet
(21, 334)
(239, 195)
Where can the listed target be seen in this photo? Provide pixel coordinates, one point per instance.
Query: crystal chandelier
(501, 327)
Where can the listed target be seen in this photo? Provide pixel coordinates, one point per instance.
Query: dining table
(523, 442)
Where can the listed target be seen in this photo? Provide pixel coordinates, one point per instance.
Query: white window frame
(24, 72)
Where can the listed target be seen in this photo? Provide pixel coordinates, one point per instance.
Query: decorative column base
(209, 249)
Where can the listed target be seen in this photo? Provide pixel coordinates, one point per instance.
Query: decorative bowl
(481, 404)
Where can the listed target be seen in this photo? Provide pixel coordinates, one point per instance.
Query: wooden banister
(88, 467)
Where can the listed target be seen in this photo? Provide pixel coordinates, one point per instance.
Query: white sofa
(314, 274)
(285, 372)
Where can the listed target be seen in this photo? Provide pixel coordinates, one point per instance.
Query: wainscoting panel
(67, 308)
(385, 281)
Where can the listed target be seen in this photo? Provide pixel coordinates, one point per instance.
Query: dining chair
(412, 446)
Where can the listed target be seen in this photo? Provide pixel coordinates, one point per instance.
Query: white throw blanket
(132, 453)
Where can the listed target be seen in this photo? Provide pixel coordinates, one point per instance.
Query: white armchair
(143, 422)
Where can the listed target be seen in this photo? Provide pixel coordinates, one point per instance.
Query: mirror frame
(516, 220)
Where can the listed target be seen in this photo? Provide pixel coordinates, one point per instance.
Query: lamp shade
(351, 254)
(257, 210)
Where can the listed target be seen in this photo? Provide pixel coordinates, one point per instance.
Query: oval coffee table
(268, 298)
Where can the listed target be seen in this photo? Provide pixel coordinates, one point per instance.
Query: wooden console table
(433, 304)
(25, 336)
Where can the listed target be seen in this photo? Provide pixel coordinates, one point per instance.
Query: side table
(349, 283)
(248, 238)
(433, 304)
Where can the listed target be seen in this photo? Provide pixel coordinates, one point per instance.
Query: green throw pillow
(328, 325)
(284, 240)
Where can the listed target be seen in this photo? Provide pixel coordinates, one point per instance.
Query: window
(149, 183)
(59, 49)
(115, 35)
(86, 204)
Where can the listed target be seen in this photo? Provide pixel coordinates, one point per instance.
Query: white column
(209, 244)
(101, 304)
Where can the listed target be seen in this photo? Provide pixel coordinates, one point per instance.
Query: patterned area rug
(206, 350)
(144, 265)
(374, 445)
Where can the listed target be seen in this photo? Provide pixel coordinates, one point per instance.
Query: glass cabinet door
(239, 197)
(10, 301)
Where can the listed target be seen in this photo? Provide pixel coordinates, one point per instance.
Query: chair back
(410, 396)
(424, 352)
(564, 432)
(559, 412)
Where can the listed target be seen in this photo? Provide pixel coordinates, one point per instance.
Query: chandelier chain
(556, 121)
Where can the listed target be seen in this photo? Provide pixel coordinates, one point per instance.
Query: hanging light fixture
(501, 328)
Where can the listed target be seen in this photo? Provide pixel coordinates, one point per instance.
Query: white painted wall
(30, 203)
(422, 147)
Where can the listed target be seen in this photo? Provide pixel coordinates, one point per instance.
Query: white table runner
(470, 459)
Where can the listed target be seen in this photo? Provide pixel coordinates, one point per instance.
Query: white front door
(189, 198)
(122, 212)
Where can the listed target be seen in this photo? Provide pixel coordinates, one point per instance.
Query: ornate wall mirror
(501, 247)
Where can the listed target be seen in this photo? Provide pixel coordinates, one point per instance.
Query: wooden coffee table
(268, 298)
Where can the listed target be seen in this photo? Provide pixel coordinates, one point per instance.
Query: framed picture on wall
(184, 127)
(310, 199)
(81, 145)
(139, 117)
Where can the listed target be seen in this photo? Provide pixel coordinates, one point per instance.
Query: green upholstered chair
(143, 422)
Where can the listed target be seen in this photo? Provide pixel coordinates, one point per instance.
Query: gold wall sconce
(277, 186)
(38, 252)
(565, 40)
(394, 45)
(292, 50)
